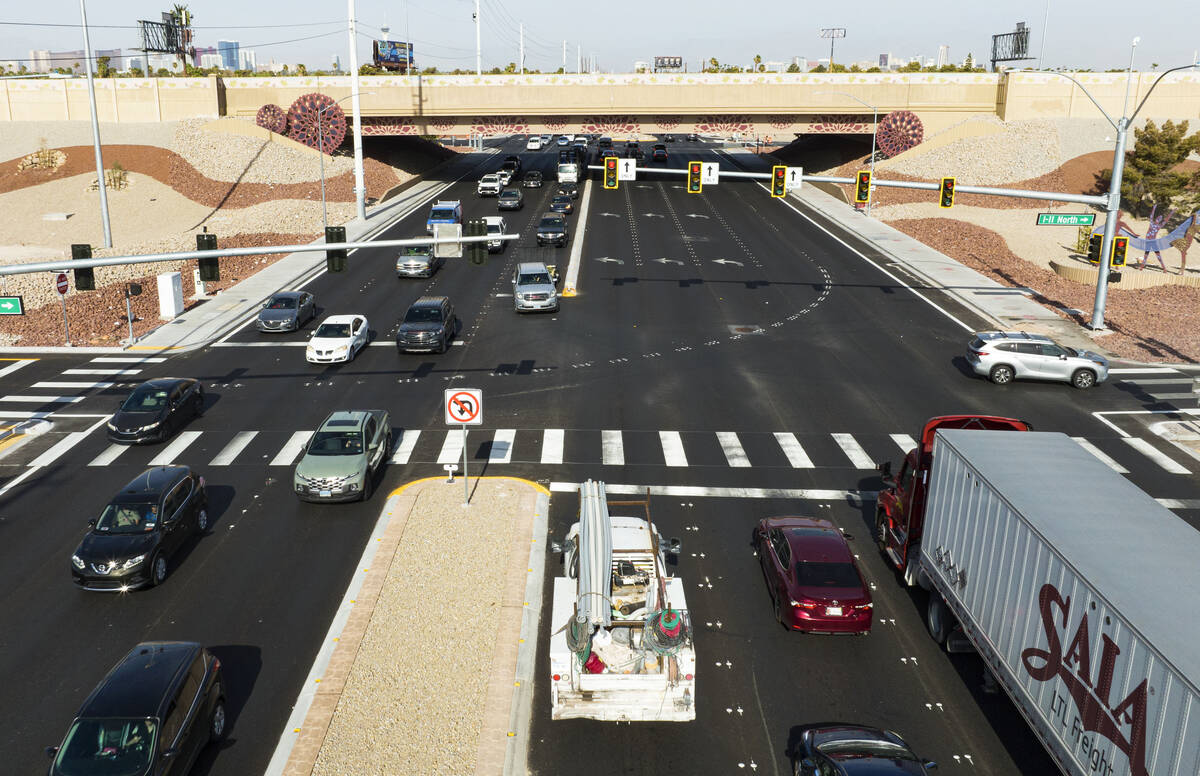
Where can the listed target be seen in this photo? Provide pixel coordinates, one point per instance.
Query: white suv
(489, 185)
(1002, 356)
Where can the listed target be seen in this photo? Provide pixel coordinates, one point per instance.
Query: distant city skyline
(1086, 35)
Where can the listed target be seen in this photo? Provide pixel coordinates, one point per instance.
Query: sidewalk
(428, 665)
(1007, 308)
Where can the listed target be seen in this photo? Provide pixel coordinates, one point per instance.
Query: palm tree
(183, 19)
(758, 65)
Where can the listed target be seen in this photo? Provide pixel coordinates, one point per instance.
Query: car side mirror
(92, 522)
(51, 751)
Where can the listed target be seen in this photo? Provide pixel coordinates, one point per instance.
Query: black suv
(633, 151)
(131, 543)
(150, 716)
(429, 325)
(552, 230)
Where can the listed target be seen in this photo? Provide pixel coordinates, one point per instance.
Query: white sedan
(534, 143)
(338, 338)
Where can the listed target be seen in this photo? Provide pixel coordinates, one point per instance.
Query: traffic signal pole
(1112, 210)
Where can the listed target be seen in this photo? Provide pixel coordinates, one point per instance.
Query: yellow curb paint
(531, 483)
(511, 734)
(295, 730)
(155, 347)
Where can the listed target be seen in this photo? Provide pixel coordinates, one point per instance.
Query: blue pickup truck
(444, 212)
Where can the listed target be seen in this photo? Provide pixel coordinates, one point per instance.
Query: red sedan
(812, 577)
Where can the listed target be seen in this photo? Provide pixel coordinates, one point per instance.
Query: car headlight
(340, 349)
(153, 425)
(135, 560)
(111, 426)
(78, 561)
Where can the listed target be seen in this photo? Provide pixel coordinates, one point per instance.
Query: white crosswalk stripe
(128, 360)
(28, 399)
(552, 446)
(70, 384)
(735, 454)
(58, 450)
(287, 456)
(502, 446)
(854, 451)
(231, 450)
(1101, 455)
(672, 445)
(15, 365)
(102, 372)
(1148, 450)
(904, 442)
(612, 449)
(792, 449)
(109, 455)
(170, 453)
(452, 447)
(405, 445)
(22, 415)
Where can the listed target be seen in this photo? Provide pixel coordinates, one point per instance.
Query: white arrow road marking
(608, 215)
(653, 215)
(610, 261)
(665, 260)
(696, 215)
(728, 261)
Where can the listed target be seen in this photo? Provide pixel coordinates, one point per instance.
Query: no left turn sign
(464, 406)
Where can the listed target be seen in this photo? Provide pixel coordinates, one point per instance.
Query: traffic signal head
(335, 259)
(1094, 243)
(1120, 245)
(862, 191)
(210, 268)
(946, 195)
(610, 172)
(694, 182)
(779, 181)
(85, 279)
(476, 251)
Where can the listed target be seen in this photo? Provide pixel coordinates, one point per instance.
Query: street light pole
(321, 150)
(360, 188)
(874, 128)
(87, 57)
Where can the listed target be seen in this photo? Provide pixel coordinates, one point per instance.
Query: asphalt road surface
(719, 341)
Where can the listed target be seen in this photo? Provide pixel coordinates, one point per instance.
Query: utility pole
(564, 56)
(360, 188)
(521, 54)
(478, 46)
(578, 57)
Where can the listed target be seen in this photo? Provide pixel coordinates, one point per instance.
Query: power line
(136, 27)
(96, 57)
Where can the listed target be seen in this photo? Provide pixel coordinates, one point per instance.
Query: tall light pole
(1118, 167)
(87, 57)
(1045, 26)
(874, 129)
(321, 149)
(360, 188)
(478, 43)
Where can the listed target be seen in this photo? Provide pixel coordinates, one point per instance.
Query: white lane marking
(404, 446)
(502, 445)
(1148, 450)
(1156, 381)
(552, 445)
(853, 451)
(128, 360)
(259, 344)
(70, 384)
(612, 449)
(852, 496)
(19, 364)
(1150, 370)
(109, 455)
(1188, 395)
(1101, 455)
(23, 415)
(231, 450)
(905, 442)
(42, 399)
(291, 449)
(61, 447)
(792, 449)
(735, 454)
(101, 371)
(1179, 503)
(452, 447)
(171, 452)
(672, 446)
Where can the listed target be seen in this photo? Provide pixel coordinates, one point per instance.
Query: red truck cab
(900, 506)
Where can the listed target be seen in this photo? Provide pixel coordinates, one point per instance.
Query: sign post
(464, 406)
(62, 285)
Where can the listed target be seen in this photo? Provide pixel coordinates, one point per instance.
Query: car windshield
(442, 212)
(128, 518)
(534, 176)
(510, 194)
(333, 330)
(107, 747)
(858, 747)
(1072, 352)
(417, 250)
(495, 229)
(423, 314)
(146, 399)
(282, 303)
(532, 278)
(336, 443)
(827, 575)
(555, 223)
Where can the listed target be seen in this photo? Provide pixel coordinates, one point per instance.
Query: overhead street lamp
(874, 130)
(321, 149)
(87, 57)
(1118, 167)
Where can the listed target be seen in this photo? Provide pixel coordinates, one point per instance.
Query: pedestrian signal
(610, 172)
(779, 181)
(862, 192)
(946, 197)
(695, 171)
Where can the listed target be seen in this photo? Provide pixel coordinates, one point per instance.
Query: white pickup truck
(489, 186)
(621, 646)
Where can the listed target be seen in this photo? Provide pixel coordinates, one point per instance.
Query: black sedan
(130, 545)
(510, 199)
(286, 311)
(854, 750)
(562, 204)
(569, 189)
(533, 180)
(156, 409)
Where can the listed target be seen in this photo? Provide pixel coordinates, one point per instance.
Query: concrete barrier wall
(117, 99)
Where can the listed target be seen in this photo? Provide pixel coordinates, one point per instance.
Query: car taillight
(809, 605)
(979, 352)
(865, 607)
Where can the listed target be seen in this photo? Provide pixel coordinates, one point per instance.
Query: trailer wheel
(939, 619)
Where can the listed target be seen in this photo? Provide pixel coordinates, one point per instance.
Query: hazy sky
(1092, 34)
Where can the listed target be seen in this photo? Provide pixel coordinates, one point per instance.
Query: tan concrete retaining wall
(1130, 278)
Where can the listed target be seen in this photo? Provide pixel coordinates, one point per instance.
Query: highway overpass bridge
(780, 105)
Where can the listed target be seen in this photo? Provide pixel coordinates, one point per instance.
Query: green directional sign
(1066, 219)
(11, 305)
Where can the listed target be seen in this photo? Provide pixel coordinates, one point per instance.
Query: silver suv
(533, 288)
(1002, 356)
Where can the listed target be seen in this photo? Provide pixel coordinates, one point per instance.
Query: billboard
(666, 63)
(393, 55)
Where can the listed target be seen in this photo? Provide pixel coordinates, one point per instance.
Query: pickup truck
(444, 212)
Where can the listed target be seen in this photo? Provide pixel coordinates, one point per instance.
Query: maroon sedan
(812, 577)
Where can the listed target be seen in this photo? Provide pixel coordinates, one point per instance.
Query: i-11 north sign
(1066, 219)
(11, 305)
